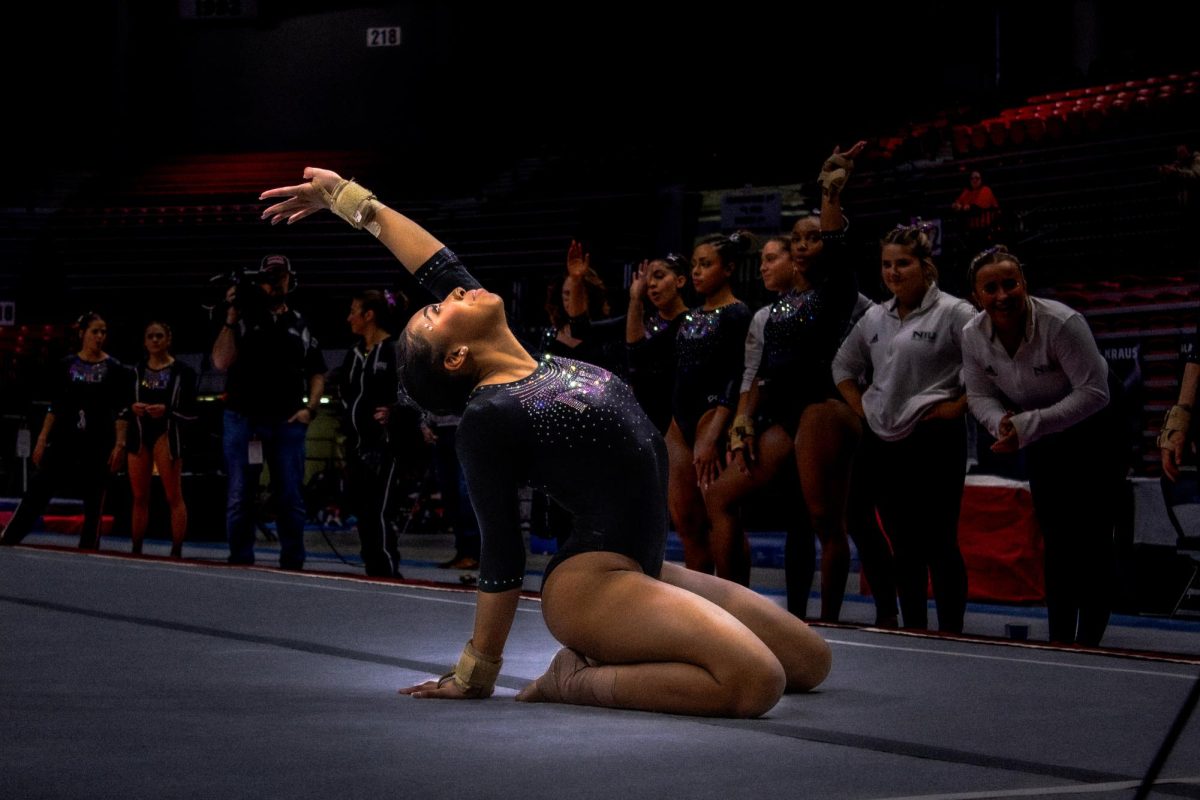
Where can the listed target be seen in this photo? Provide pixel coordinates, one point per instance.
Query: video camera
(249, 297)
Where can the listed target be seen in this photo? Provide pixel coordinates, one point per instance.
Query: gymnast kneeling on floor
(637, 632)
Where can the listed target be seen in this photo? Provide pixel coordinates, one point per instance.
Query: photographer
(273, 362)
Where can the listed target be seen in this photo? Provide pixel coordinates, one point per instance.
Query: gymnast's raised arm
(409, 242)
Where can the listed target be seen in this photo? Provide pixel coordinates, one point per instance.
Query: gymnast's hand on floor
(302, 199)
(444, 689)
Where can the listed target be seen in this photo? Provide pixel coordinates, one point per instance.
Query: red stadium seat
(997, 130)
(1016, 131)
(979, 137)
(1035, 127)
(1055, 124)
(960, 139)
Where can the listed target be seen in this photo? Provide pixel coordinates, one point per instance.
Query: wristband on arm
(834, 174)
(1176, 421)
(741, 430)
(475, 674)
(354, 203)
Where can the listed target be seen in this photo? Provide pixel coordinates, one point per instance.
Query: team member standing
(648, 330)
(82, 437)
(1037, 382)
(794, 410)
(710, 353)
(370, 391)
(164, 396)
(752, 468)
(916, 452)
(650, 334)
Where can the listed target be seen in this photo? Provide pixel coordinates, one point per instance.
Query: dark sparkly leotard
(573, 430)
(710, 353)
(650, 365)
(801, 336)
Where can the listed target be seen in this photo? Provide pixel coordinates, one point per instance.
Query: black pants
(371, 485)
(874, 552)
(80, 459)
(1076, 478)
(918, 486)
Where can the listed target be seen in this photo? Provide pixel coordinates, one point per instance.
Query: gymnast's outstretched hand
(302, 199)
(444, 689)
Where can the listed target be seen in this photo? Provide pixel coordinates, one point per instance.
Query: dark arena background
(138, 137)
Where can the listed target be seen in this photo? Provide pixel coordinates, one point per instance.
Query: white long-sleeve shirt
(1056, 379)
(915, 363)
(754, 346)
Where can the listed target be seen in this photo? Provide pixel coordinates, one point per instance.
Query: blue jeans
(283, 452)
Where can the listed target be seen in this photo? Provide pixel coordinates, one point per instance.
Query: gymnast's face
(1000, 291)
(709, 273)
(93, 338)
(156, 339)
(663, 284)
(806, 242)
(776, 266)
(463, 318)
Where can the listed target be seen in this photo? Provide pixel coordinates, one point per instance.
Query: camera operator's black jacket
(277, 355)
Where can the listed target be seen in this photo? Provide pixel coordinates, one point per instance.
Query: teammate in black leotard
(709, 352)
(639, 633)
(649, 335)
(163, 401)
(793, 413)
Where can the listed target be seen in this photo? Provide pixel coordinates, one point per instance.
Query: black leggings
(918, 486)
(1075, 477)
(874, 552)
(65, 461)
